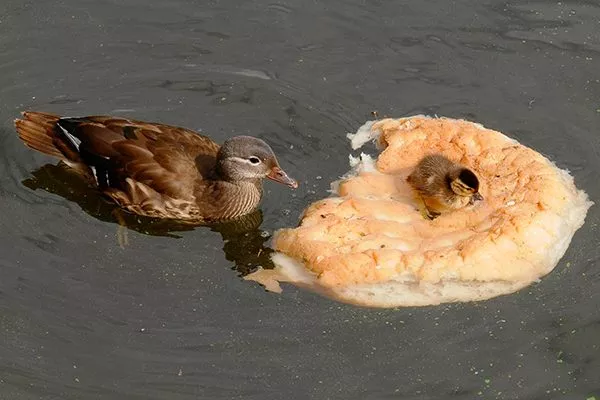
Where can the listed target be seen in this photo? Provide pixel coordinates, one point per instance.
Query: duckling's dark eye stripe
(463, 186)
(468, 178)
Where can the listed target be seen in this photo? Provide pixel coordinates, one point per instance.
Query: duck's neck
(242, 198)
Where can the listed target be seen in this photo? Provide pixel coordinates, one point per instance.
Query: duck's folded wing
(168, 159)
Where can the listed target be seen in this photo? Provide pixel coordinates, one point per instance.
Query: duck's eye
(254, 160)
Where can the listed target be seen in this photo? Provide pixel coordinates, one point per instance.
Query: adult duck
(158, 170)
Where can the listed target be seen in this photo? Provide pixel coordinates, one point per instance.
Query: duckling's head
(246, 158)
(463, 182)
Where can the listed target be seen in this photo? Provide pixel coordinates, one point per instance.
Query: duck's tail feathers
(38, 131)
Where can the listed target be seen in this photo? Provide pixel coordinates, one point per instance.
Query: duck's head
(246, 158)
(463, 182)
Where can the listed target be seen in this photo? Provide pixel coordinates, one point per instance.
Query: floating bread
(370, 245)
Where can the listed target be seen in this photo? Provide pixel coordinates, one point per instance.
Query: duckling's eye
(254, 160)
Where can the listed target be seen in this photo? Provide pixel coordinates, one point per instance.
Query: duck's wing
(122, 152)
(168, 159)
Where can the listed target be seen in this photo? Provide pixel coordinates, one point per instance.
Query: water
(168, 317)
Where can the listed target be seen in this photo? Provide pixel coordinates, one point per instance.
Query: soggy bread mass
(370, 245)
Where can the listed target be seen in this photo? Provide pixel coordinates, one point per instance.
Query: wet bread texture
(369, 244)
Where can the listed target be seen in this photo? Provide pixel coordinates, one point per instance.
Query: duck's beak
(279, 175)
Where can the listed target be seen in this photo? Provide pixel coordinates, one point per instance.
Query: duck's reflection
(243, 240)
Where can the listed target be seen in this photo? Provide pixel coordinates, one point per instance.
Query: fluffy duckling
(158, 170)
(444, 185)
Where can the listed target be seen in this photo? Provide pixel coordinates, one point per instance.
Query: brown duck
(444, 185)
(158, 170)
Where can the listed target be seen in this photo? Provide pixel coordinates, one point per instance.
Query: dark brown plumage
(444, 185)
(158, 170)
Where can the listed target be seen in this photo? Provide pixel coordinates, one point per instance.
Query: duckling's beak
(474, 198)
(279, 175)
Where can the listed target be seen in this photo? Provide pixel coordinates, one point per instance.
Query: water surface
(168, 316)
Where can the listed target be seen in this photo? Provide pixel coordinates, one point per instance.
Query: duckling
(444, 185)
(158, 170)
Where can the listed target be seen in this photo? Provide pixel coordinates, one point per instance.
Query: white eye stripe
(247, 160)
